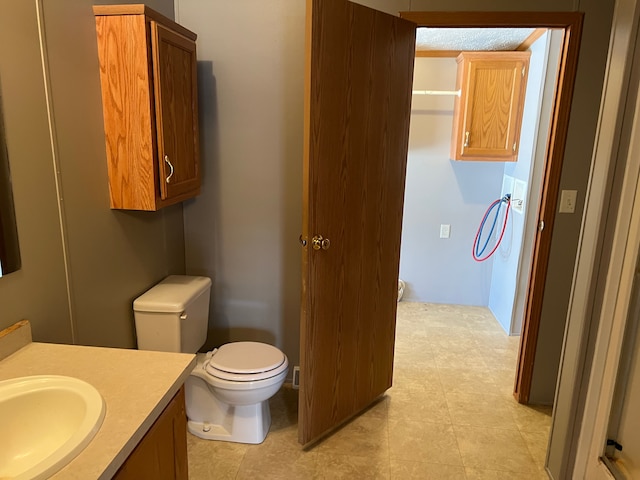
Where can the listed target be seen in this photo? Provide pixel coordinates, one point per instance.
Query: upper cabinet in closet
(488, 114)
(150, 107)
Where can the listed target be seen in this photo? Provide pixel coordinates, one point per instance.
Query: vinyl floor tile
(431, 443)
(494, 449)
(332, 466)
(481, 474)
(362, 436)
(449, 415)
(480, 409)
(411, 470)
(420, 405)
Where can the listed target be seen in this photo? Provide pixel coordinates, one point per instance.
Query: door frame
(571, 23)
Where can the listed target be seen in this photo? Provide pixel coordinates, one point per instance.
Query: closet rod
(436, 92)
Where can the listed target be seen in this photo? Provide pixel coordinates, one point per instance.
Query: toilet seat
(246, 362)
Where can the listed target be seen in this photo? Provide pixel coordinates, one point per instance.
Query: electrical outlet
(445, 230)
(519, 193)
(568, 200)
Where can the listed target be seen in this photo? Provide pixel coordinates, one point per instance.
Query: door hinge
(612, 443)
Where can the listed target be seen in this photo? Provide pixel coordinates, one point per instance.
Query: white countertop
(136, 386)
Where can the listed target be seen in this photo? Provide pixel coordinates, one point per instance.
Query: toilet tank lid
(172, 295)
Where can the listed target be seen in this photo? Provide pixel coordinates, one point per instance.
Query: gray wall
(38, 290)
(245, 225)
(111, 256)
(243, 230)
(575, 173)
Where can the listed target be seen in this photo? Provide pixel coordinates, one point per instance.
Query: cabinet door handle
(466, 139)
(166, 160)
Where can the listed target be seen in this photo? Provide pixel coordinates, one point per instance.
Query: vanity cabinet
(150, 107)
(162, 452)
(488, 113)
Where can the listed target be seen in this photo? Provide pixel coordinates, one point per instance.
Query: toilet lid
(246, 361)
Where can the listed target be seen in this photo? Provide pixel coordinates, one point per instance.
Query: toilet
(227, 393)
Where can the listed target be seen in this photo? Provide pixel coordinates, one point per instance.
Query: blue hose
(498, 203)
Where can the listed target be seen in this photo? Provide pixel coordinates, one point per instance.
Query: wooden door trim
(571, 22)
(531, 39)
(305, 296)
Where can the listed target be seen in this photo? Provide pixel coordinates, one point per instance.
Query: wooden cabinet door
(489, 112)
(176, 101)
(162, 453)
(148, 73)
(359, 72)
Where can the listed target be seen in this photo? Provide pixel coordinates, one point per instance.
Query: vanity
(144, 428)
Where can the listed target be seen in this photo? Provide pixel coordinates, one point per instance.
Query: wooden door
(359, 72)
(176, 99)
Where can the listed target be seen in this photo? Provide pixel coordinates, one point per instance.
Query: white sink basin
(45, 420)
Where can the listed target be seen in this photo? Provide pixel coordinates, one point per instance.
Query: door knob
(303, 241)
(318, 242)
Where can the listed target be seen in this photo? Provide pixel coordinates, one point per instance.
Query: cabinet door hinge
(523, 70)
(514, 147)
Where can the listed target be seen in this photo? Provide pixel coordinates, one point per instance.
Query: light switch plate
(445, 230)
(568, 200)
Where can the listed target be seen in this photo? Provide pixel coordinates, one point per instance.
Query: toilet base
(241, 424)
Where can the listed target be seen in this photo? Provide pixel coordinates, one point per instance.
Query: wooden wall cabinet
(488, 114)
(150, 106)
(162, 452)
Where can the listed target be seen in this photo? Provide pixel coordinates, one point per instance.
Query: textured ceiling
(470, 39)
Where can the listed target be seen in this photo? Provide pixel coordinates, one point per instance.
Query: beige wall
(111, 256)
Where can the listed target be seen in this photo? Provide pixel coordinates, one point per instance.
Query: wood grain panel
(149, 91)
(358, 95)
(531, 39)
(176, 107)
(490, 107)
(162, 452)
(141, 9)
(438, 53)
(127, 108)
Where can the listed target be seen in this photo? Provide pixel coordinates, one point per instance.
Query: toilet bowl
(227, 394)
(228, 391)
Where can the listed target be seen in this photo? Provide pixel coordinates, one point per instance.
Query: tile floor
(449, 415)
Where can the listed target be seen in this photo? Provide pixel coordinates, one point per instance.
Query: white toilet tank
(173, 315)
